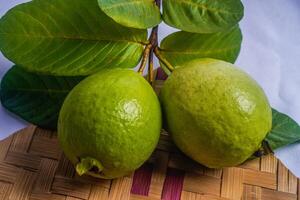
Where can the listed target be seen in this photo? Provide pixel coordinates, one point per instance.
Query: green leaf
(284, 131)
(202, 16)
(132, 13)
(35, 98)
(181, 47)
(68, 37)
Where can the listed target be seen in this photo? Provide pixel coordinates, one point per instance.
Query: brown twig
(150, 49)
(145, 57)
(151, 68)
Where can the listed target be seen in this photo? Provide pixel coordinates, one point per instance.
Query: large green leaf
(35, 98)
(284, 131)
(181, 47)
(68, 37)
(202, 16)
(132, 13)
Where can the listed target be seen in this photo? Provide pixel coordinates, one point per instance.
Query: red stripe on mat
(173, 184)
(142, 180)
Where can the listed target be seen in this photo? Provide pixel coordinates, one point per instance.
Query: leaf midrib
(279, 133)
(123, 4)
(73, 38)
(198, 52)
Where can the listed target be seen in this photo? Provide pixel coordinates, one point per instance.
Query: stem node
(150, 49)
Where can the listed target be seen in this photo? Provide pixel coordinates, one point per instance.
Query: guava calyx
(89, 165)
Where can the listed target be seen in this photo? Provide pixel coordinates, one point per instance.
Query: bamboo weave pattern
(32, 167)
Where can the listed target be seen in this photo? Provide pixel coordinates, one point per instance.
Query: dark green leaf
(132, 13)
(202, 16)
(284, 131)
(35, 98)
(181, 47)
(68, 37)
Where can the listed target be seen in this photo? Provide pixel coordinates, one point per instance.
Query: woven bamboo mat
(33, 167)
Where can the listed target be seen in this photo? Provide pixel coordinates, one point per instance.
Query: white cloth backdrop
(270, 53)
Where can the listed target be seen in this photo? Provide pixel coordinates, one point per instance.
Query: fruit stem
(264, 150)
(87, 164)
(150, 49)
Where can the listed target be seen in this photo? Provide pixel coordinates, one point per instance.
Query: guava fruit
(216, 113)
(110, 123)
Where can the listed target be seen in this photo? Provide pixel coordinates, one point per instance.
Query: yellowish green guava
(216, 113)
(110, 123)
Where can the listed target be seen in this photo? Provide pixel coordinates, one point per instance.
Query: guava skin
(216, 113)
(111, 120)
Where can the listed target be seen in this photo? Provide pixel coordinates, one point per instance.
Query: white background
(270, 53)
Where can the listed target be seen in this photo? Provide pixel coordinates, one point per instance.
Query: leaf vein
(203, 6)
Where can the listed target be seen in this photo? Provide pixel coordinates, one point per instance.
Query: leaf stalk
(163, 60)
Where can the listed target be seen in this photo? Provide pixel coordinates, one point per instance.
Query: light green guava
(216, 113)
(110, 123)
